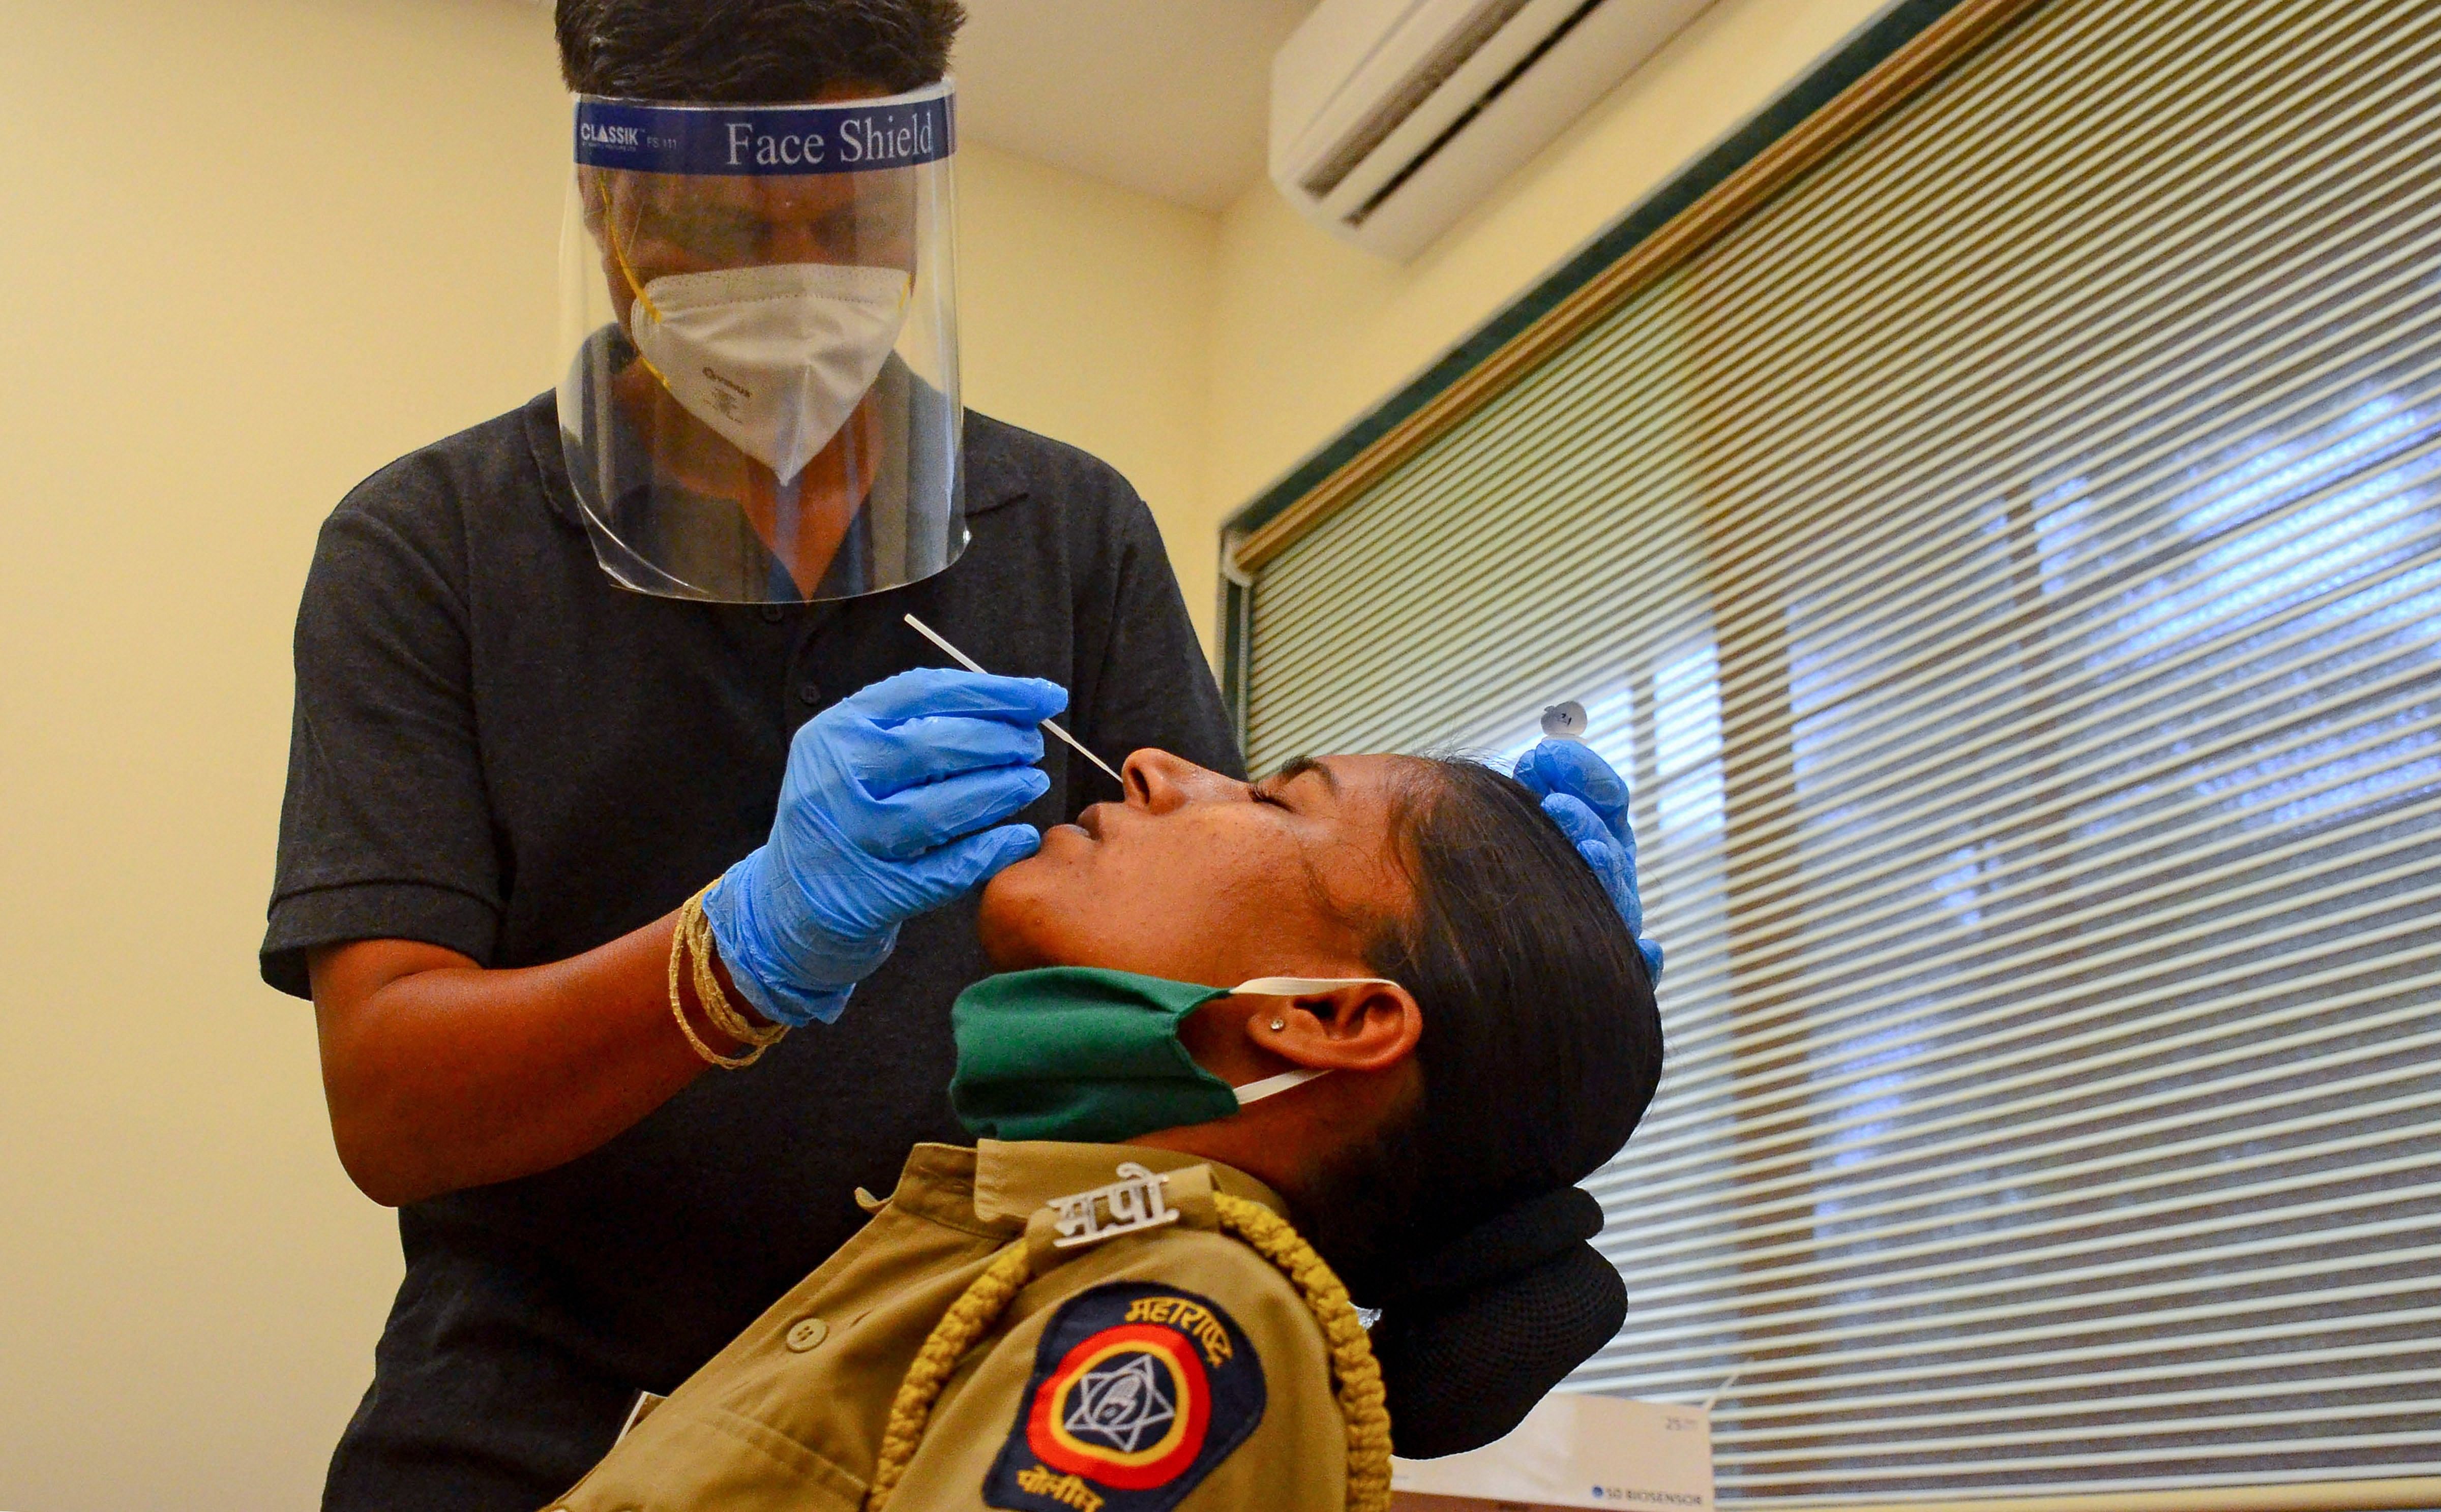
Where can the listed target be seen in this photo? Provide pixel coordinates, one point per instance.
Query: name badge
(1132, 1204)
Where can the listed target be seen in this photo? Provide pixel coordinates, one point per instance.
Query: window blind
(2008, 561)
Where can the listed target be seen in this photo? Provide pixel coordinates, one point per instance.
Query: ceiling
(1170, 97)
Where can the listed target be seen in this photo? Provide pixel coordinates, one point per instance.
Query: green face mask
(1076, 1053)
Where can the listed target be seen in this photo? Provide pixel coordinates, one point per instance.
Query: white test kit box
(1574, 1451)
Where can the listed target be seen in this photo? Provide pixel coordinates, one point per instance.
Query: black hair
(1541, 1044)
(737, 51)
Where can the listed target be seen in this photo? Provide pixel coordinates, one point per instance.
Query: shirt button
(809, 693)
(773, 614)
(807, 1332)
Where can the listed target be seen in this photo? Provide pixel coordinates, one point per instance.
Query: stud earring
(1279, 1024)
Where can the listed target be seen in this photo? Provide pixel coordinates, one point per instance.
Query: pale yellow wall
(249, 251)
(1310, 333)
(1084, 313)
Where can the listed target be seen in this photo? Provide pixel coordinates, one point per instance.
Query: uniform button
(809, 693)
(773, 614)
(807, 1332)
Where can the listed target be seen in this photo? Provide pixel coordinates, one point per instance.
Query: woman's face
(1197, 877)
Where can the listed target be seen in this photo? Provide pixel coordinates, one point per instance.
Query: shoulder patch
(1138, 1390)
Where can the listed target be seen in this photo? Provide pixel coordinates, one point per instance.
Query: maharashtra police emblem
(1122, 1404)
(1137, 1392)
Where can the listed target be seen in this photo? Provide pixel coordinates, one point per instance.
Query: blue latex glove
(1588, 802)
(878, 814)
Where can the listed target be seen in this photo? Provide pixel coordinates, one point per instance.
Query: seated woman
(1106, 1306)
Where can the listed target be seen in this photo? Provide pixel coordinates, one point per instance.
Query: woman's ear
(1367, 1026)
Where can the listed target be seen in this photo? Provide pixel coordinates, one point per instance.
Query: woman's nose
(1158, 781)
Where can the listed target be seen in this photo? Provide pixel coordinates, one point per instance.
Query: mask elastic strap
(1292, 987)
(1269, 1086)
(611, 235)
(1302, 987)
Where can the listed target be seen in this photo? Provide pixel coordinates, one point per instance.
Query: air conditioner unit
(1391, 118)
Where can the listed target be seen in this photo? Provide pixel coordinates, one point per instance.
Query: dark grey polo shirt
(499, 750)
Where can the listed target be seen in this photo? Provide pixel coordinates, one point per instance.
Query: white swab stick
(971, 665)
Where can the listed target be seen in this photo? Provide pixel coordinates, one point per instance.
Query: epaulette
(1138, 1203)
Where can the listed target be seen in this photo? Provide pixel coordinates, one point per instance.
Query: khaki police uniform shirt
(1168, 1367)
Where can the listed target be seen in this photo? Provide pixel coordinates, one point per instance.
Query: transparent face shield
(759, 391)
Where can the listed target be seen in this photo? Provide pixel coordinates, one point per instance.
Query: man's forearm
(442, 1075)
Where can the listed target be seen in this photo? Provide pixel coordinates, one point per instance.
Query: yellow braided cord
(967, 1320)
(1362, 1402)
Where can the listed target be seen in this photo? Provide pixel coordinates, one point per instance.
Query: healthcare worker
(559, 673)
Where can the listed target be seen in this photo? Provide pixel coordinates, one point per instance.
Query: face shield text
(866, 141)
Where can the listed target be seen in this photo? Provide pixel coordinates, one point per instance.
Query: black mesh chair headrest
(1480, 1330)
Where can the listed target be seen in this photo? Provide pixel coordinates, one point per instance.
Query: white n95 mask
(773, 357)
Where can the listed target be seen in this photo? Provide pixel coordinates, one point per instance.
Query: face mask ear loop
(1302, 987)
(610, 236)
(1293, 987)
(1270, 1086)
